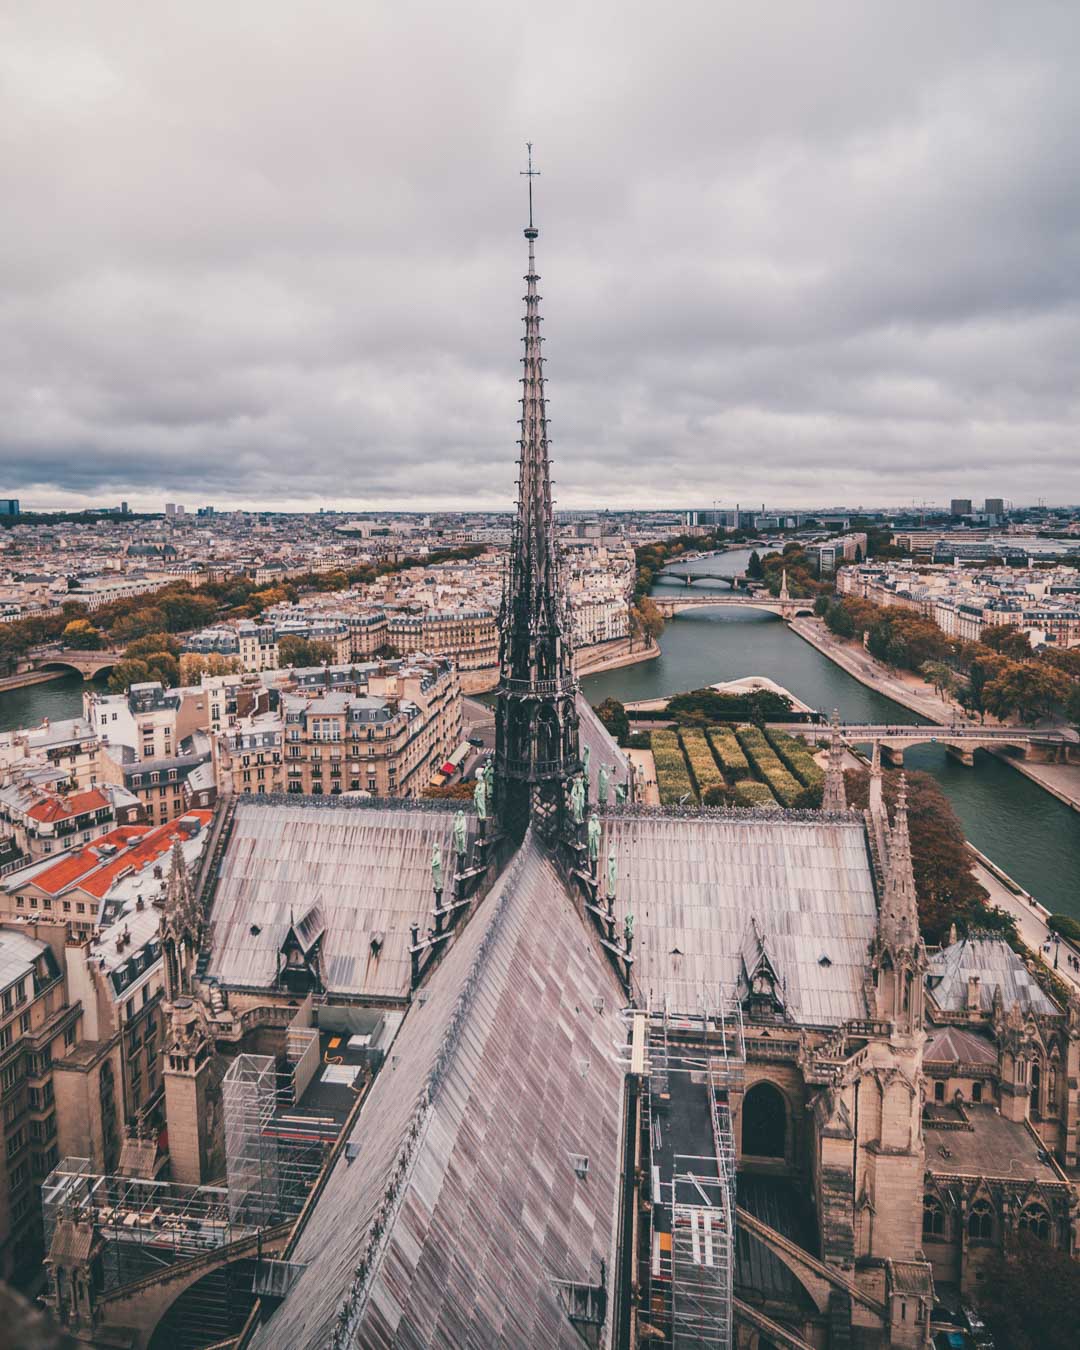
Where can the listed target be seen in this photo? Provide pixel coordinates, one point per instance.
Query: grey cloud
(272, 253)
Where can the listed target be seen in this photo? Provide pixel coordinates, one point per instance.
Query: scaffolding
(249, 1095)
(146, 1224)
(274, 1150)
(696, 1063)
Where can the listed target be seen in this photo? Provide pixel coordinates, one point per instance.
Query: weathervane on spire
(530, 173)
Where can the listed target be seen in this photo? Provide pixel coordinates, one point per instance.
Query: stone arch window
(939, 1090)
(1035, 1220)
(933, 1217)
(981, 1222)
(764, 1122)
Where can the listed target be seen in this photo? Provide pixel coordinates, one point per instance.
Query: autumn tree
(299, 651)
(613, 715)
(81, 635)
(1008, 640)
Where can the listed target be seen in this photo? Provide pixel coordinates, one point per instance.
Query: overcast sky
(271, 254)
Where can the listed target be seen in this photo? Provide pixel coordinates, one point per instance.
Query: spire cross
(530, 173)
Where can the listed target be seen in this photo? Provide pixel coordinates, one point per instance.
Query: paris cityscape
(477, 878)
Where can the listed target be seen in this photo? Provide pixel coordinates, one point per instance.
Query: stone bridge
(88, 664)
(139, 1305)
(738, 580)
(960, 740)
(786, 609)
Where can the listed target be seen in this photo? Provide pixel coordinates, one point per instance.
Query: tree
(1072, 706)
(941, 676)
(194, 665)
(83, 636)
(754, 569)
(298, 651)
(1007, 639)
(126, 673)
(1029, 1296)
(152, 644)
(613, 715)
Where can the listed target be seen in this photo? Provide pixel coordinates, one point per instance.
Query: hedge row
(703, 768)
(750, 793)
(785, 788)
(796, 756)
(672, 777)
(729, 753)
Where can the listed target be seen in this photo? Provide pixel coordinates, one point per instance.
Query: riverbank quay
(908, 690)
(612, 656)
(28, 678)
(1060, 780)
(1031, 919)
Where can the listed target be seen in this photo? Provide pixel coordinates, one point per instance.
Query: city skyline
(856, 268)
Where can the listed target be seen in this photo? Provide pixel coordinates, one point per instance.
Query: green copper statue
(586, 757)
(577, 800)
(594, 839)
(620, 793)
(460, 834)
(612, 873)
(480, 796)
(602, 785)
(436, 867)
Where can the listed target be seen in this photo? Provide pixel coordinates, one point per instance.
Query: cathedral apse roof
(695, 882)
(485, 1163)
(366, 871)
(996, 965)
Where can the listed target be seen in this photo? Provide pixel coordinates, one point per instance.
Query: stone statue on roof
(480, 796)
(602, 781)
(594, 839)
(612, 873)
(577, 799)
(436, 867)
(460, 834)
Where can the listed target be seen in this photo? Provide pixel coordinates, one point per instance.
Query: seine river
(1032, 835)
(1025, 830)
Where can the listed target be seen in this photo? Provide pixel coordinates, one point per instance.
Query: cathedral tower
(536, 726)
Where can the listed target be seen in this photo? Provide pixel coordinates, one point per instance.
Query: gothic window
(1036, 1075)
(939, 1091)
(1051, 1088)
(1036, 1221)
(981, 1222)
(764, 1122)
(933, 1218)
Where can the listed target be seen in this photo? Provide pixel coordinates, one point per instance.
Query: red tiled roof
(95, 874)
(63, 808)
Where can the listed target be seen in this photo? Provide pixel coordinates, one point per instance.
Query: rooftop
(986, 1145)
(694, 883)
(996, 965)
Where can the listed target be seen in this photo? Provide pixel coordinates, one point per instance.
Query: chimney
(973, 1001)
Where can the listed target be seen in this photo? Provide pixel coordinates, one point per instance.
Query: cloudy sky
(270, 253)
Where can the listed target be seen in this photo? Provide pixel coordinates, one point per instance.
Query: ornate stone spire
(536, 745)
(834, 797)
(898, 922)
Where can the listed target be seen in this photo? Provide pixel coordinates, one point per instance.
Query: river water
(1025, 830)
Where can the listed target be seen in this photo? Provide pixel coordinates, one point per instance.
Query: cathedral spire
(898, 922)
(834, 797)
(536, 750)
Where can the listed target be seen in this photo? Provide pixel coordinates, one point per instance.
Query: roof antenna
(530, 173)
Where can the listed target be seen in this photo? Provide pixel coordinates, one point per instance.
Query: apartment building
(258, 645)
(37, 1028)
(250, 754)
(43, 821)
(468, 637)
(389, 743)
(157, 747)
